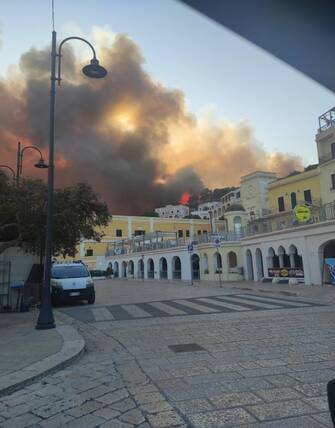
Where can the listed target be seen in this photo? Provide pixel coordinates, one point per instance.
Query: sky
(223, 77)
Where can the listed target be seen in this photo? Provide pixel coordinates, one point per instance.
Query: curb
(72, 348)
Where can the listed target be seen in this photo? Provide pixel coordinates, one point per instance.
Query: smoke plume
(129, 136)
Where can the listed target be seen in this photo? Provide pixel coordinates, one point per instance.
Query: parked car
(71, 281)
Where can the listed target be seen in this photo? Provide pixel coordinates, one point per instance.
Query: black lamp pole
(11, 170)
(19, 164)
(94, 70)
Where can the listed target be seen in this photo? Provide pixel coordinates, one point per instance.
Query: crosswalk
(182, 307)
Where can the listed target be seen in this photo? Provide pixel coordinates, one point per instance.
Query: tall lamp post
(93, 70)
(19, 163)
(11, 170)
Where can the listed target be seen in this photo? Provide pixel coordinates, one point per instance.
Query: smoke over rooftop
(129, 136)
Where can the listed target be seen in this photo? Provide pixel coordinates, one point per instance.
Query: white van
(71, 281)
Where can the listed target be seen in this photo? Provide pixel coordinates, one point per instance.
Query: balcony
(132, 246)
(327, 120)
(287, 220)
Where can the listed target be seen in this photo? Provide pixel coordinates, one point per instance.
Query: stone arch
(272, 259)
(205, 267)
(284, 259)
(250, 267)
(327, 253)
(217, 258)
(151, 268)
(259, 264)
(163, 268)
(295, 257)
(131, 268)
(116, 270)
(140, 268)
(124, 269)
(176, 268)
(232, 259)
(195, 266)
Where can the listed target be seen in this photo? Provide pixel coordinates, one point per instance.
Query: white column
(292, 260)
(82, 248)
(152, 222)
(130, 221)
(225, 267)
(169, 267)
(281, 260)
(191, 228)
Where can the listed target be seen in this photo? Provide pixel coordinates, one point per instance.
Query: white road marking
(136, 311)
(102, 314)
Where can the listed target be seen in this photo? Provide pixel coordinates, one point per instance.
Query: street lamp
(12, 171)
(40, 164)
(93, 70)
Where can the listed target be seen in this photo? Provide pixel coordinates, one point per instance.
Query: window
(199, 232)
(281, 204)
(237, 224)
(332, 146)
(139, 232)
(232, 259)
(204, 232)
(118, 232)
(308, 196)
(187, 233)
(332, 177)
(238, 195)
(89, 252)
(180, 233)
(293, 200)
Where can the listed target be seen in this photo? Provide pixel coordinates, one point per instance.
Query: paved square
(264, 360)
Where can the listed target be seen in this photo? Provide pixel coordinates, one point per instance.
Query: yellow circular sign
(302, 213)
(284, 272)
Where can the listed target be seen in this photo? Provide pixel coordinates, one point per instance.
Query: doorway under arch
(124, 269)
(176, 268)
(140, 269)
(116, 270)
(250, 267)
(328, 254)
(163, 269)
(131, 269)
(195, 265)
(259, 265)
(151, 269)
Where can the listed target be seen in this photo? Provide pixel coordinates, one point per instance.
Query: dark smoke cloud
(116, 133)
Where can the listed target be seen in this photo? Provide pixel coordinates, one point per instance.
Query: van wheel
(91, 299)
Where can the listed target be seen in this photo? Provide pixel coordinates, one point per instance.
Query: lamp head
(94, 70)
(41, 164)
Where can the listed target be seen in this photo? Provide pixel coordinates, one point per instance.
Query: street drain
(186, 347)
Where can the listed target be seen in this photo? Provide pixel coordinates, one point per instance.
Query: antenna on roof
(53, 14)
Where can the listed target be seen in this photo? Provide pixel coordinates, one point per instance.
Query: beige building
(254, 195)
(123, 228)
(325, 141)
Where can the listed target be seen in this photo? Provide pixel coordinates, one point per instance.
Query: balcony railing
(287, 220)
(134, 246)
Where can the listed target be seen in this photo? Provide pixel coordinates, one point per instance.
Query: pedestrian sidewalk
(28, 354)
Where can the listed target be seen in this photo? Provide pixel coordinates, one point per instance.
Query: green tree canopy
(78, 213)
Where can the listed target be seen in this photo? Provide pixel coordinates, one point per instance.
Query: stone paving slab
(71, 347)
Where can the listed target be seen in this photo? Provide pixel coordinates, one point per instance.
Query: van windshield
(61, 272)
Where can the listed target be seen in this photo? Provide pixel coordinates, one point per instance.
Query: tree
(77, 213)
(194, 216)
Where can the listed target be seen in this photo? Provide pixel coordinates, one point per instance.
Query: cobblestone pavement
(265, 368)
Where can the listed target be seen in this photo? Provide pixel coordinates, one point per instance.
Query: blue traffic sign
(217, 243)
(190, 248)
